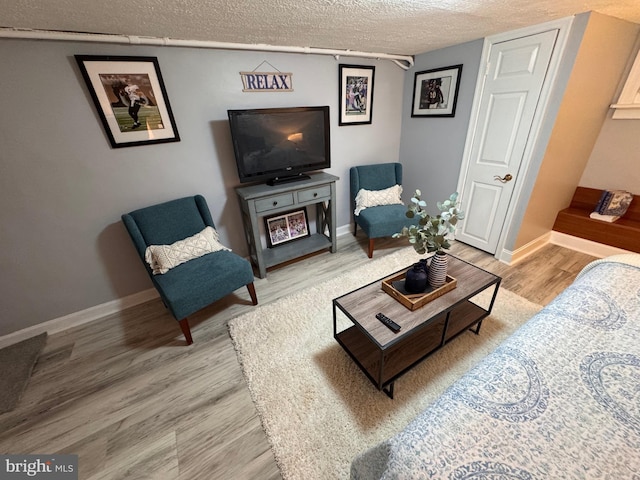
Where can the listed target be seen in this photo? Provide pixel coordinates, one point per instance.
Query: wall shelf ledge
(625, 105)
(628, 105)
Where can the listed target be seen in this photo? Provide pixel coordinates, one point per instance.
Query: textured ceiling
(385, 26)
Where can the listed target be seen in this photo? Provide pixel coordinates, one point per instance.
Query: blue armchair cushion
(191, 286)
(383, 221)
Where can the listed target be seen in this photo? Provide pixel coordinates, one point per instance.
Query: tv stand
(258, 201)
(288, 179)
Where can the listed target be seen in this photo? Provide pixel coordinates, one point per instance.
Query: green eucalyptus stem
(431, 232)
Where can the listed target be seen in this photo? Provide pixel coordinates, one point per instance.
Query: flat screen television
(280, 144)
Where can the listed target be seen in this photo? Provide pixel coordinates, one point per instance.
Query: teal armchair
(199, 282)
(382, 220)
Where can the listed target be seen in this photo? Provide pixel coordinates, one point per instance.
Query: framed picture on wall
(435, 92)
(130, 98)
(286, 227)
(356, 94)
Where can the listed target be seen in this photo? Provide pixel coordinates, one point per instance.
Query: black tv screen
(279, 144)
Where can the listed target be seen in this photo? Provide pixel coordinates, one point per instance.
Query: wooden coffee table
(383, 355)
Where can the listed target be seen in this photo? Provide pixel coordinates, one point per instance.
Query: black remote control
(388, 322)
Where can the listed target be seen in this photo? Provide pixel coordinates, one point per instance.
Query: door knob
(505, 179)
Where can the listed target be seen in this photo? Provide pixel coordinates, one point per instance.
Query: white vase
(438, 269)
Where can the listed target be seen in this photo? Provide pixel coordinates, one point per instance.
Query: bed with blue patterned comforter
(559, 399)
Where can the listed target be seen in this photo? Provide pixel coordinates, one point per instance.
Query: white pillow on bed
(373, 198)
(162, 258)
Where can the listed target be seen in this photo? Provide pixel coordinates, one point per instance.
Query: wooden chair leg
(252, 292)
(184, 326)
(370, 247)
(355, 228)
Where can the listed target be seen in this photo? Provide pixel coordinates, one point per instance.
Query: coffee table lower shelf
(385, 364)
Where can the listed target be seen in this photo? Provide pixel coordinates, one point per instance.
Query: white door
(513, 82)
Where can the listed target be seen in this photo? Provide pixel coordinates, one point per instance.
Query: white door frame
(563, 26)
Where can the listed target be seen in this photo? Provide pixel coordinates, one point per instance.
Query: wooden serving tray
(413, 301)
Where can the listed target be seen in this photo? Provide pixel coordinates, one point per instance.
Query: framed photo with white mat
(435, 92)
(130, 98)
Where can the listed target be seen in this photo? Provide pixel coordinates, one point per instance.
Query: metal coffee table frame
(385, 356)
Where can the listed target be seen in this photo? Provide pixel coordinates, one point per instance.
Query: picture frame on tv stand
(286, 227)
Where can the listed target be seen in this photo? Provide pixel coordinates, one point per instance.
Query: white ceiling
(384, 26)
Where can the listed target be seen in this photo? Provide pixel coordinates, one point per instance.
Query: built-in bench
(623, 233)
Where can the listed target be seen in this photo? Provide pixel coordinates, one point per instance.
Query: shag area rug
(317, 408)
(16, 364)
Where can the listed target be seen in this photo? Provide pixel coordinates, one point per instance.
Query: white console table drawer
(276, 201)
(314, 194)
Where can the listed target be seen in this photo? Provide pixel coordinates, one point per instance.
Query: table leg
(389, 390)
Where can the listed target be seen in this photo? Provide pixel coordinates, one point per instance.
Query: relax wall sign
(266, 81)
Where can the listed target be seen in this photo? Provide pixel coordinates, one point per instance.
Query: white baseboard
(584, 246)
(344, 229)
(581, 245)
(79, 318)
(512, 257)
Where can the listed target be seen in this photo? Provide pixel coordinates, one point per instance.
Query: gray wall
(432, 147)
(63, 188)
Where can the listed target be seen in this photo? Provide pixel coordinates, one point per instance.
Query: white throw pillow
(373, 198)
(162, 258)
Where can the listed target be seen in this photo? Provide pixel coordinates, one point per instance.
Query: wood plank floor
(126, 395)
